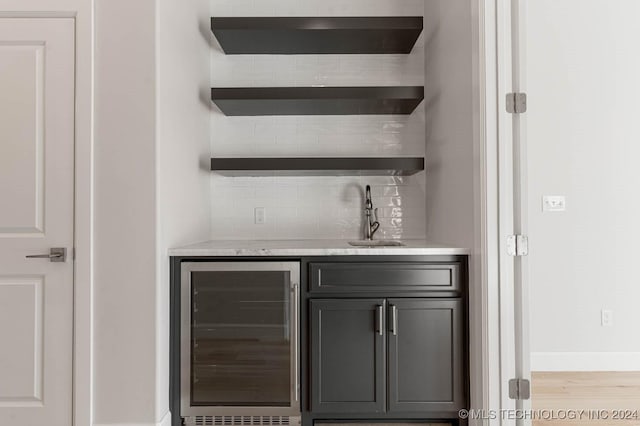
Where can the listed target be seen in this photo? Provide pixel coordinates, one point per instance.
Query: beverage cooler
(239, 342)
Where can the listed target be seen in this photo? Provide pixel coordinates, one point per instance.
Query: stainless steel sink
(377, 243)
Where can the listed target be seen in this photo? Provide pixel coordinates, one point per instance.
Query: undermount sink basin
(376, 243)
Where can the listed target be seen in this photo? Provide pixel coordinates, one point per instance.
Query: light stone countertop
(312, 248)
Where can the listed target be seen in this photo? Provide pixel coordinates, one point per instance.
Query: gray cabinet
(386, 355)
(387, 339)
(348, 356)
(383, 339)
(425, 350)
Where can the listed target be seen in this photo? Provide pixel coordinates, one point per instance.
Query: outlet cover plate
(260, 216)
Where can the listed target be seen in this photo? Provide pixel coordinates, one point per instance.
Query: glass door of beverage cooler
(239, 338)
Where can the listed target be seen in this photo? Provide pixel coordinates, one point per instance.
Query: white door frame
(484, 275)
(82, 12)
(504, 124)
(493, 356)
(83, 302)
(519, 341)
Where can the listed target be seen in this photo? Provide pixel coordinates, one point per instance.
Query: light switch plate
(554, 203)
(606, 316)
(260, 216)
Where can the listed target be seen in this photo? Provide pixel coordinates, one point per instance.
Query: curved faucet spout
(368, 202)
(371, 221)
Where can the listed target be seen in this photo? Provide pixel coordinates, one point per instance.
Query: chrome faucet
(371, 224)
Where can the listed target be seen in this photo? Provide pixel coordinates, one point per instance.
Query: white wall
(451, 166)
(151, 193)
(449, 110)
(125, 213)
(582, 77)
(309, 207)
(183, 152)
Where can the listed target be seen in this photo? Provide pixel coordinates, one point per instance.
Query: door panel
(21, 151)
(36, 213)
(425, 355)
(22, 328)
(347, 356)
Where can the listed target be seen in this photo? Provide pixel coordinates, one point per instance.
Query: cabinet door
(425, 355)
(347, 356)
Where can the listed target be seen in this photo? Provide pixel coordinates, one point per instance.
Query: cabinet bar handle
(379, 320)
(296, 321)
(394, 320)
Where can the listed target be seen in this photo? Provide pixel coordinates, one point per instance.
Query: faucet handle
(374, 228)
(375, 225)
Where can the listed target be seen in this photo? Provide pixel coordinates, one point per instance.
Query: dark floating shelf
(251, 101)
(334, 166)
(317, 35)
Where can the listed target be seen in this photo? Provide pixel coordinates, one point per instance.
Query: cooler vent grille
(238, 421)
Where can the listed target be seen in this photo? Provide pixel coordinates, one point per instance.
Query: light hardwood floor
(606, 392)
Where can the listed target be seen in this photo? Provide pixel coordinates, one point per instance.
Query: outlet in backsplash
(317, 207)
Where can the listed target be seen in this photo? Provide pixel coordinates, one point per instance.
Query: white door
(575, 176)
(36, 214)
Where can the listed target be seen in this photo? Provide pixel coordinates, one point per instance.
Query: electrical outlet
(606, 316)
(554, 203)
(260, 216)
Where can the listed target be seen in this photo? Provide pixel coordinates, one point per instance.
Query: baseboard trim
(585, 361)
(166, 421)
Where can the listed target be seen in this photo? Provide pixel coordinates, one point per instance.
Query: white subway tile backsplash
(368, 7)
(285, 213)
(317, 207)
(293, 228)
(317, 70)
(224, 7)
(317, 7)
(264, 7)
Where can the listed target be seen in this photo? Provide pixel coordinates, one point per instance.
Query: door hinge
(519, 389)
(516, 103)
(517, 245)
